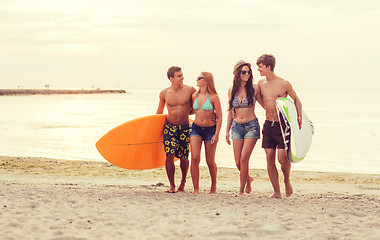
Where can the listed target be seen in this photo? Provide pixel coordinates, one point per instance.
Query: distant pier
(55, 91)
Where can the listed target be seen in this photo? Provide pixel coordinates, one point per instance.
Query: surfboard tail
(286, 134)
(299, 138)
(136, 144)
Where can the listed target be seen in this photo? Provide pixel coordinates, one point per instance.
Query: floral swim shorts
(177, 140)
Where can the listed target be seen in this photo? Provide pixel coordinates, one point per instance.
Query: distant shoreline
(5, 92)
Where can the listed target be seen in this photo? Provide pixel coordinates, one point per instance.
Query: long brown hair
(248, 87)
(210, 82)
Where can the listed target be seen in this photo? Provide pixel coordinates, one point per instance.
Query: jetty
(55, 91)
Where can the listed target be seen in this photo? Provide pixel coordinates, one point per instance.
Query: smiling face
(177, 78)
(245, 73)
(264, 70)
(201, 81)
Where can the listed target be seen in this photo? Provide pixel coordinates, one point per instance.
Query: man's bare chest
(273, 91)
(177, 99)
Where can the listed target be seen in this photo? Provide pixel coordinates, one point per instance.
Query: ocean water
(346, 139)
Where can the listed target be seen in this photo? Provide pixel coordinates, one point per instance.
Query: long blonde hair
(210, 82)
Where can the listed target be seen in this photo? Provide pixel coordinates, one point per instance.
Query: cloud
(4, 3)
(113, 34)
(42, 28)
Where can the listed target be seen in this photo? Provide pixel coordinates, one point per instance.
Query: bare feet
(288, 189)
(248, 188)
(239, 194)
(181, 188)
(213, 188)
(196, 191)
(171, 190)
(276, 195)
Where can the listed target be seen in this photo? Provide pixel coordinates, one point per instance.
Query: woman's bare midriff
(244, 115)
(204, 118)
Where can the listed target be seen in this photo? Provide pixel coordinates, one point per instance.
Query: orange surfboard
(136, 144)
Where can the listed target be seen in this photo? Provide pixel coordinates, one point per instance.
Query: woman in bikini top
(236, 103)
(243, 121)
(207, 106)
(204, 130)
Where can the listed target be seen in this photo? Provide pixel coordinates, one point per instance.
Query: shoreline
(40, 166)
(202, 164)
(7, 92)
(45, 198)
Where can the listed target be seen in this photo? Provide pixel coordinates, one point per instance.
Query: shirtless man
(177, 99)
(272, 88)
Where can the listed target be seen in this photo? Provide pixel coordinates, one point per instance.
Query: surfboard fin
(312, 126)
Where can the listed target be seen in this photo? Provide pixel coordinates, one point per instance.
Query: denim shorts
(206, 133)
(249, 129)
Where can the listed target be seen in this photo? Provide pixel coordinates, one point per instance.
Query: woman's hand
(228, 138)
(214, 139)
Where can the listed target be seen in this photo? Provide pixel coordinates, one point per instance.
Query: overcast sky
(130, 44)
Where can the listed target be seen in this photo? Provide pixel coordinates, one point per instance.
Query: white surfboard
(297, 141)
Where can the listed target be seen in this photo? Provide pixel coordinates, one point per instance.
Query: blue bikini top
(206, 106)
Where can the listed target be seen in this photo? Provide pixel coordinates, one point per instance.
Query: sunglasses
(199, 78)
(245, 72)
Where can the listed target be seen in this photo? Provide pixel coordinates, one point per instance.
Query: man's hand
(214, 118)
(299, 119)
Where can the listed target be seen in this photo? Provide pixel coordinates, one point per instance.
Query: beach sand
(59, 199)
